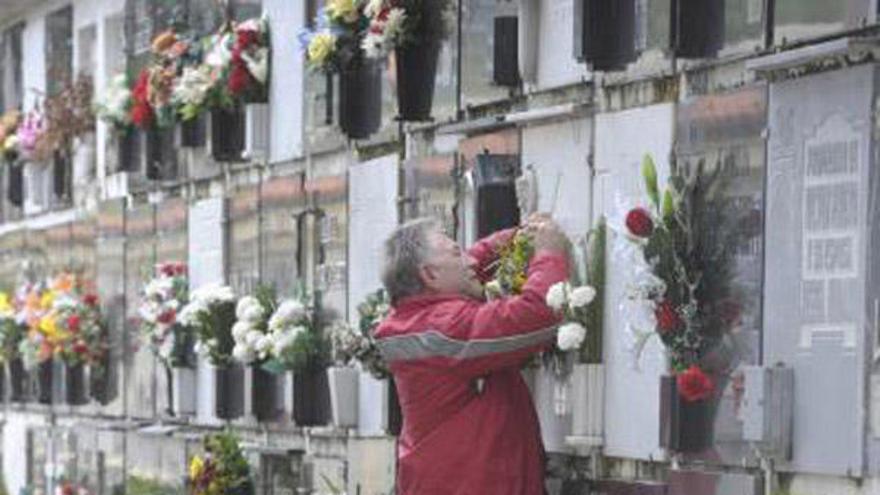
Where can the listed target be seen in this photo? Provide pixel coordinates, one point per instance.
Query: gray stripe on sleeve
(432, 343)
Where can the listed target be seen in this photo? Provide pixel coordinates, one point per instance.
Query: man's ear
(427, 275)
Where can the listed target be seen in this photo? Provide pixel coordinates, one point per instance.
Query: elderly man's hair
(405, 251)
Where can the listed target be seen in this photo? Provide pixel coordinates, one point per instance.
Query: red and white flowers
(162, 299)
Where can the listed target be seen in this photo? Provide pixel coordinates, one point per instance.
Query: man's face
(448, 269)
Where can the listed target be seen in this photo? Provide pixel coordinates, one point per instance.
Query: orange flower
(164, 41)
(63, 282)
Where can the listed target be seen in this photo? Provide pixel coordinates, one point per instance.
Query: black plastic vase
(229, 392)
(44, 381)
(360, 99)
(18, 380)
(264, 394)
(686, 426)
(311, 397)
(75, 384)
(192, 132)
(100, 381)
(416, 73)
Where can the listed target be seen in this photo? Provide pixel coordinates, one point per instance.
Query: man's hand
(546, 233)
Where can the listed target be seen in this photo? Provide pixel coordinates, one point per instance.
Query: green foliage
(592, 350)
(138, 485)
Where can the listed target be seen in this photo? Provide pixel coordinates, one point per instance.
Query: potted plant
(685, 242)
(581, 334)
(211, 314)
(335, 45)
(75, 317)
(256, 346)
(222, 470)
(162, 299)
(414, 30)
(12, 333)
(298, 344)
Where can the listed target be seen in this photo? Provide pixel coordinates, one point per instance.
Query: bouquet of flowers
(114, 106)
(572, 302)
(211, 313)
(351, 344)
(12, 330)
(393, 23)
(254, 342)
(222, 470)
(511, 267)
(294, 332)
(29, 133)
(249, 63)
(686, 241)
(8, 134)
(67, 115)
(337, 41)
(161, 300)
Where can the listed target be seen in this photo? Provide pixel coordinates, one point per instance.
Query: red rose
(80, 347)
(639, 222)
(166, 269)
(90, 300)
(73, 323)
(694, 384)
(246, 38)
(141, 114)
(167, 317)
(667, 318)
(239, 79)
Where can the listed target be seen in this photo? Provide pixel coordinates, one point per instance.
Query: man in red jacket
(470, 426)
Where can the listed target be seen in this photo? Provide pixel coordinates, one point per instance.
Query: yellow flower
(47, 299)
(48, 326)
(5, 306)
(196, 466)
(321, 47)
(343, 9)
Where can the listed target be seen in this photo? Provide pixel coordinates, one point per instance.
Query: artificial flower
(570, 336)
(557, 295)
(321, 47)
(694, 384)
(668, 319)
(581, 296)
(639, 222)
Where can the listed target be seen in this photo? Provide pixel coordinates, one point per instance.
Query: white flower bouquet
(211, 314)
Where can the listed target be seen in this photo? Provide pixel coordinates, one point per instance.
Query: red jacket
(456, 439)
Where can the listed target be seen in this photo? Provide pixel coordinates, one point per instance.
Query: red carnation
(80, 347)
(90, 300)
(141, 114)
(166, 269)
(73, 323)
(694, 384)
(668, 319)
(239, 79)
(246, 37)
(167, 317)
(639, 222)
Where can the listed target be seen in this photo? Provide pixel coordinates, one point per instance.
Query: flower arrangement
(162, 298)
(400, 22)
(64, 319)
(114, 107)
(211, 314)
(686, 242)
(29, 133)
(297, 340)
(350, 344)
(9, 134)
(67, 115)
(222, 470)
(511, 266)
(254, 343)
(12, 330)
(572, 303)
(337, 41)
(249, 61)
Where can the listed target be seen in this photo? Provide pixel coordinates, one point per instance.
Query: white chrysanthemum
(290, 310)
(557, 296)
(252, 337)
(374, 45)
(243, 354)
(244, 304)
(281, 341)
(193, 85)
(240, 329)
(570, 336)
(189, 315)
(264, 345)
(581, 296)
